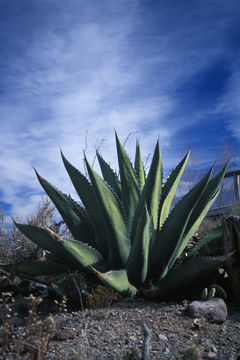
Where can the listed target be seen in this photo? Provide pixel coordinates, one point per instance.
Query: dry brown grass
(29, 341)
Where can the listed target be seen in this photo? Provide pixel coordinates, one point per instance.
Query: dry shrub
(31, 339)
(101, 296)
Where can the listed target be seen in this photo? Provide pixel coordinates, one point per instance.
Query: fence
(236, 178)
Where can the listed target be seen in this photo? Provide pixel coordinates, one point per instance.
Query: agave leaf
(113, 222)
(109, 176)
(35, 268)
(185, 274)
(199, 212)
(82, 255)
(151, 192)
(188, 234)
(138, 167)
(71, 252)
(73, 215)
(169, 189)
(79, 254)
(129, 183)
(170, 235)
(211, 237)
(86, 193)
(137, 264)
(118, 280)
(203, 205)
(43, 239)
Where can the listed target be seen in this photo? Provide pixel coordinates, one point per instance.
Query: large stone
(213, 310)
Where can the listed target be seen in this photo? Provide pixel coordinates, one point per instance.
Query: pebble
(166, 351)
(211, 355)
(162, 337)
(16, 320)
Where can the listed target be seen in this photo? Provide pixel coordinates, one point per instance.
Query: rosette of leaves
(126, 230)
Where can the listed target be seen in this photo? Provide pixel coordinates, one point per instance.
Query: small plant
(125, 231)
(5, 316)
(101, 296)
(31, 338)
(213, 291)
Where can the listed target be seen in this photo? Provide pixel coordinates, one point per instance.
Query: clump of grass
(101, 297)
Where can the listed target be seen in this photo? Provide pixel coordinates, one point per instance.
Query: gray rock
(213, 310)
(162, 337)
(16, 320)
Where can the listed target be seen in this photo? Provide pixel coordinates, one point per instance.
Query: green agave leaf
(129, 183)
(138, 167)
(86, 193)
(184, 275)
(43, 239)
(109, 176)
(203, 205)
(199, 212)
(81, 254)
(113, 222)
(151, 192)
(118, 280)
(67, 251)
(170, 235)
(187, 235)
(169, 189)
(73, 215)
(32, 269)
(137, 264)
(206, 241)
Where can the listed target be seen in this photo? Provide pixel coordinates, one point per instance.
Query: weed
(100, 297)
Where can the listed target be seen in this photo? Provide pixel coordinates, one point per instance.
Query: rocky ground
(116, 332)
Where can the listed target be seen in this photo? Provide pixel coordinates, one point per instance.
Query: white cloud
(92, 71)
(229, 104)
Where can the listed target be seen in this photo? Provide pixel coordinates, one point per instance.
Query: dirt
(116, 332)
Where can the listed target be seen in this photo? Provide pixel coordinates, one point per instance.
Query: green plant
(213, 291)
(125, 231)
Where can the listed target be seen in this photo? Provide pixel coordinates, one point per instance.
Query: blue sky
(166, 68)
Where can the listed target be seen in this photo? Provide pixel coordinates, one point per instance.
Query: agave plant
(125, 230)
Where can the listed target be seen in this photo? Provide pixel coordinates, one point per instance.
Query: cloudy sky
(71, 68)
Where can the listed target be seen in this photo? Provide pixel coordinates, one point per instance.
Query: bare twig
(98, 148)
(130, 134)
(146, 162)
(86, 141)
(147, 337)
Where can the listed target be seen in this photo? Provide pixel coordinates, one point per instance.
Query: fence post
(236, 186)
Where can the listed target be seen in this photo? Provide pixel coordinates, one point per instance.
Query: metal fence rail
(221, 210)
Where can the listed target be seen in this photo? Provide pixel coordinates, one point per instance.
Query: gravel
(116, 332)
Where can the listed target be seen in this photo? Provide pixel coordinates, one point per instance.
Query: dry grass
(29, 341)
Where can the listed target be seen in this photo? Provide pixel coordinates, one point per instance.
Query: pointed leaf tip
(40, 178)
(52, 234)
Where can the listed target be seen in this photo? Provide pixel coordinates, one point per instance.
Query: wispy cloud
(129, 66)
